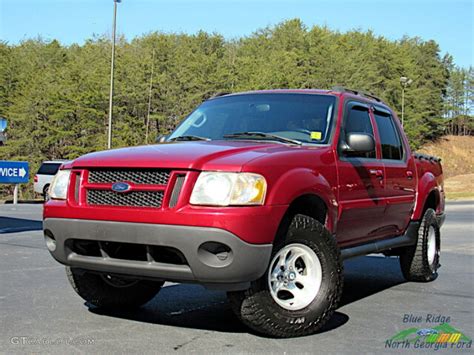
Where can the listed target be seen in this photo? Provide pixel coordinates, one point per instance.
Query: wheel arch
(308, 204)
(305, 191)
(428, 196)
(46, 188)
(432, 201)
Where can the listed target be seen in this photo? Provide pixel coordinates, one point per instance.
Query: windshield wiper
(188, 138)
(250, 135)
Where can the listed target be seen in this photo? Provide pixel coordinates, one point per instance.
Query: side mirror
(359, 143)
(161, 138)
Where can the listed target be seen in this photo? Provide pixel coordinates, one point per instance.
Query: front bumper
(231, 267)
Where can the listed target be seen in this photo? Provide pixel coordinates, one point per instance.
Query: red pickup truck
(262, 194)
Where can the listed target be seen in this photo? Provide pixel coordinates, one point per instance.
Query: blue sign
(13, 172)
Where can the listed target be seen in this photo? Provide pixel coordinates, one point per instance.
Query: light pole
(112, 62)
(405, 82)
(149, 96)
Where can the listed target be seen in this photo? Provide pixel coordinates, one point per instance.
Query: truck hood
(215, 155)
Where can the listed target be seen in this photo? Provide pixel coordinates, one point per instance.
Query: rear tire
(310, 263)
(46, 192)
(421, 262)
(109, 291)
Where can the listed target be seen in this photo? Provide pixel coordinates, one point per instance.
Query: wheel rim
(294, 276)
(431, 245)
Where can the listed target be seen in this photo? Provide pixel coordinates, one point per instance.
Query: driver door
(361, 182)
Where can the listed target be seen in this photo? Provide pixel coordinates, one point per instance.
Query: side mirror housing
(359, 143)
(161, 138)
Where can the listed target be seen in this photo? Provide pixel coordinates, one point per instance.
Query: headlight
(224, 189)
(58, 188)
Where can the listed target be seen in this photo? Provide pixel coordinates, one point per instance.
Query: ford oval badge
(121, 187)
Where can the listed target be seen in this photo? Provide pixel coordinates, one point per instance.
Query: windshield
(303, 117)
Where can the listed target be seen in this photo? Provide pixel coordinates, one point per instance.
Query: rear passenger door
(399, 172)
(360, 182)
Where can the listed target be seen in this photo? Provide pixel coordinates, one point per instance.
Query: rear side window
(49, 169)
(358, 121)
(389, 138)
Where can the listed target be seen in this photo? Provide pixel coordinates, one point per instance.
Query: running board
(409, 238)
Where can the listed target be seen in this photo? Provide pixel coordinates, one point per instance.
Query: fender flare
(302, 181)
(426, 185)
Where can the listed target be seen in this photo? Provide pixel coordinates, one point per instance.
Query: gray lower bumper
(242, 264)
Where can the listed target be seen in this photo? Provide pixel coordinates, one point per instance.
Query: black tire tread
(93, 289)
(413, 261)
(46, 192)
(251, 313)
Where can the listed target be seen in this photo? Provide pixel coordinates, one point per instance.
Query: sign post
(15, 194)
(14, 172)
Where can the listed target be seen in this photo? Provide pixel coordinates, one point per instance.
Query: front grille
(149, 177)
(176, 190)
(132, 198)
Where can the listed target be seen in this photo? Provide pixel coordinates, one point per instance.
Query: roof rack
(217, 94)
(357, 92)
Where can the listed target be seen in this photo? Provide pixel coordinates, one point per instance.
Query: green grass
(455, 196)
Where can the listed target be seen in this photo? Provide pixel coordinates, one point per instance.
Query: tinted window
(304, 117)
(358, 121)
(49, 169)
(389, 138)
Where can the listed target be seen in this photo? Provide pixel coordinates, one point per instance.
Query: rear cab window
(49, 168)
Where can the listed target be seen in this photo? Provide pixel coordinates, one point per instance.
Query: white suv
(45, 175)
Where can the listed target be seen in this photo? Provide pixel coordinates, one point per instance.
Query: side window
(358, 121)
(392, 147)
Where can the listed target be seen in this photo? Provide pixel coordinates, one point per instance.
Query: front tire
(109, 291)
(421, 262)
(301, 288)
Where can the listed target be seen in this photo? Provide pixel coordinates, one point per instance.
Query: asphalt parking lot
(39, 311)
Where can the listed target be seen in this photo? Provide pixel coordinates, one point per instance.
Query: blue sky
(448, 22)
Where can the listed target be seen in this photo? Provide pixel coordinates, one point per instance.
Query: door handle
(377, 173)
(409, 174)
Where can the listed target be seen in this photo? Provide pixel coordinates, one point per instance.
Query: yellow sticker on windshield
(316, 135)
